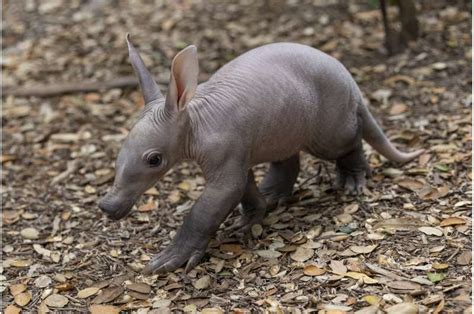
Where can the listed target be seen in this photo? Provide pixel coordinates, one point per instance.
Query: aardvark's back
(283, 98)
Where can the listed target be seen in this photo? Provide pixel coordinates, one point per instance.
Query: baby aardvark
(267, 105)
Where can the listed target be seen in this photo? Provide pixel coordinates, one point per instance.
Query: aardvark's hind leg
(280, 179)
(253, 207)
(351, 171)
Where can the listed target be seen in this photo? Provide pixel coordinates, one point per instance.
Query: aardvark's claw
(173, 257)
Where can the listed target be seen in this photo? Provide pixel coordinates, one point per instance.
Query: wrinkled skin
(265, 106)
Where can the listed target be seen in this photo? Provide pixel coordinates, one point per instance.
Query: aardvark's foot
(176, 255)
(351, 183)
(241, 229)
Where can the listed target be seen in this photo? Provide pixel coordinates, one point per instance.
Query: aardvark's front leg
(223, 192)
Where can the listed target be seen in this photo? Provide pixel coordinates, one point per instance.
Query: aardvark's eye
(153, 159)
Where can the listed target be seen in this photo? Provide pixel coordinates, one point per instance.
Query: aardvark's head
(156, 141)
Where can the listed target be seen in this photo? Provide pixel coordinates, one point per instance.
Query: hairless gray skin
(265, 106)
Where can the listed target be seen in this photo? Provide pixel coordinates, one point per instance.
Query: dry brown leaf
(231, 248)
(452, 221)
(23, 298)
(440, 266)
(338, 267)
(398, 108)
(412, 185)
(403, 223)
(403, 285)
(202, 283)
(87, 292)
(10, 216)
(103, 309)
(392, 81)
(366, 279)
(302, 254)
(11, 309)
(152, 191)
(363, 249)
(268, 254)
(108, 295)
(139, 287)
(56, 300)
(212, 310)
(149, 206)
(351, 209)
(20, 263)
(431, 231)
(405, 308)
(29, 233)
(312, 270)
(464, 258)
(17, 288)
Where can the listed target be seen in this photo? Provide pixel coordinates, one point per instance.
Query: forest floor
(403, 247)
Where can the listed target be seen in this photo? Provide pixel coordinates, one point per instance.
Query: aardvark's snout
(114, 206)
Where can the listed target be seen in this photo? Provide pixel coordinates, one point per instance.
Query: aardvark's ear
(183, 80)
(150, 89)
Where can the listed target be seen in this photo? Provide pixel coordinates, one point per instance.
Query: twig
(72, 167)
(66, 88)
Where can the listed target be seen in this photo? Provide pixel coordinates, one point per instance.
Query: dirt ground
(403, 247)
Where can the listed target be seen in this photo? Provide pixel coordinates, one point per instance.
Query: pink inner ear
(185, 71)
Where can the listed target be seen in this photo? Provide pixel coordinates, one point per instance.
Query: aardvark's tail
(373, 135)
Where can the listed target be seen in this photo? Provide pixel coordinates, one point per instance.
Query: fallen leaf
(371, 299)
(351, 209)
(411, 185)
(363, 249)
(269, 254)
(464, 258)
(452, 221)
(398, 108)
(41, 250)
(174, 197)
(20, 263)
(232, 248)
(338, 267)
(394, 224)
(56, 300)
(312, 270)
(403, 285)
(368, 310)
(139, 287)
(103, 309)
(302, 254)
(163, 303)
(435, 277)
(42, 281)
(202, 283)
(152, 191)
(405, 308)
(149, 206)
(87, 292)
(23, 298)
(212, 310)
(137, 295)
(108, 295)
(431, 231)
(366, 279)
(392, 81)
(256, 230)
(29, 233)
(440, 266)
(17, 289)
(11, 309)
